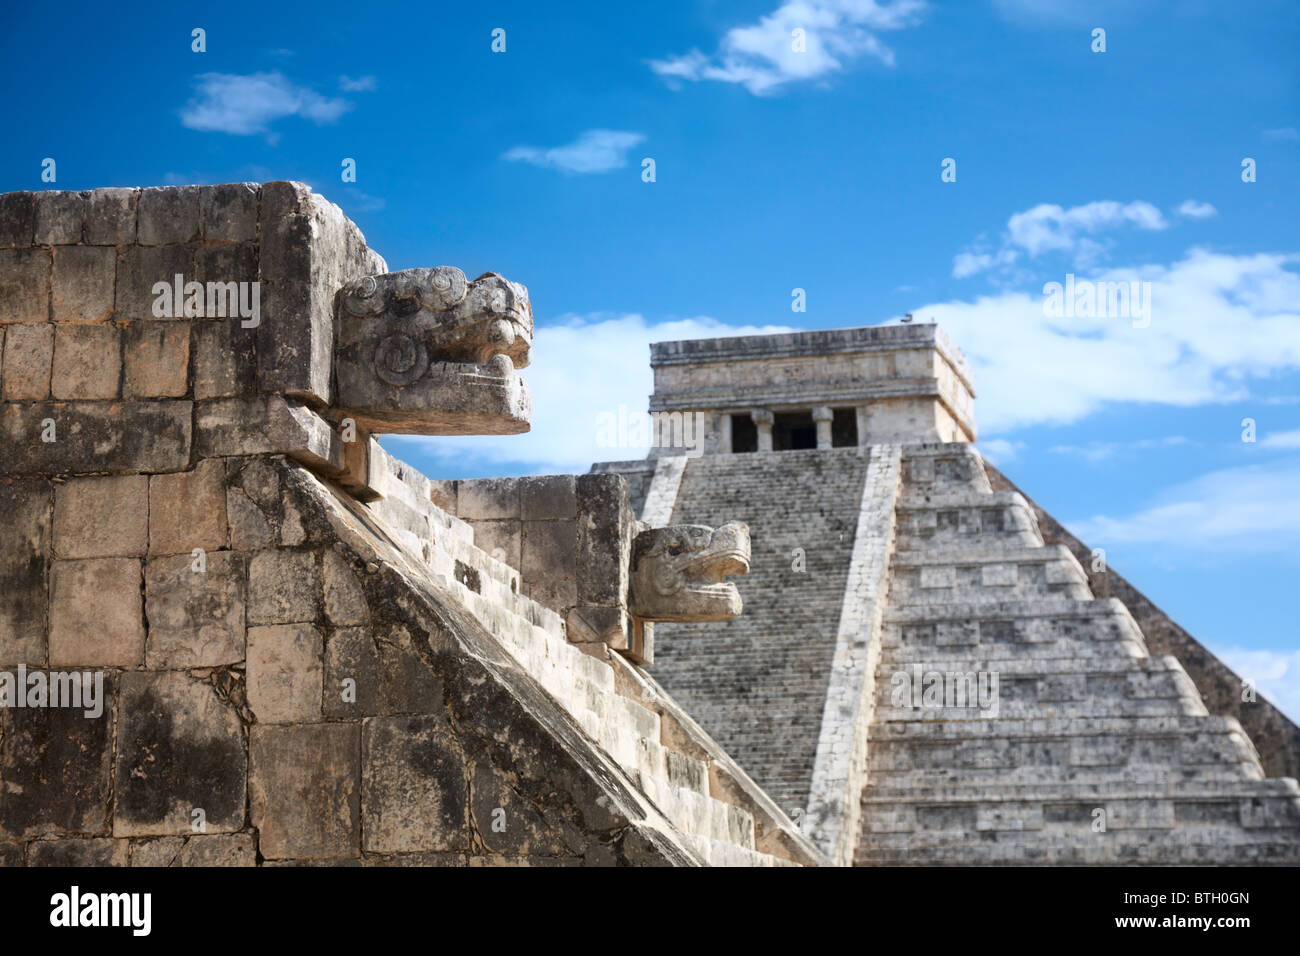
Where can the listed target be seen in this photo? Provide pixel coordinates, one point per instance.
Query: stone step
(1051, 627)
(918, 782)
(1008, 745)
(1067, 853)
(965, 517)
(944, 576)
(972, 689)
(936, 465)
(937, 823)
(697, 815)
(1139, 784)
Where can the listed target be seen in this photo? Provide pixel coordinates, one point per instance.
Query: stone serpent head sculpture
(677, 572)
(424, 351)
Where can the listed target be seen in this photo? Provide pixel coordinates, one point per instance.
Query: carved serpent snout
(677, 572)
(426, 351)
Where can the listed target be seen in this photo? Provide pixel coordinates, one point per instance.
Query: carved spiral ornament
(400, 359)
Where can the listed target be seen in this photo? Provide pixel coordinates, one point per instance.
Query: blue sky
(778, 169)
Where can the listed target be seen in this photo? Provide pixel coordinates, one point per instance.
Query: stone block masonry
(305, 659)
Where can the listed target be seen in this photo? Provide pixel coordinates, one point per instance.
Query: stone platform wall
(304, 659)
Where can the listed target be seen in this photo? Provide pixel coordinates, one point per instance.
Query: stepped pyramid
(886, 552)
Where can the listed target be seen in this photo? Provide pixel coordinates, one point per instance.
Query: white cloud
(1276, 674)
(1196, 210)
(1044, 13)
(246, 105)
(595, 151)
(358, 84)
(1289, 439)
(1249, 508)
(764, 55)
(1216, 321)
(1051, 228)
(582, 366)
(1281, 134)
(1000, 450)
(1103, 450)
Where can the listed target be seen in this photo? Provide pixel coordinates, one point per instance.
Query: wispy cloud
(359, 84)
(1000, 450)
(1218, 324)
(1283, 134)
(1048, 227)
(584, 366)
(1289, 439)
(1104, 450)
(595, 151)
(1192, 209)
(800, 40)
(1276, 674)
(1249, 508)
(248, 105)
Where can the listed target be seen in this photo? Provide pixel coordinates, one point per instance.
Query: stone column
(861, 413)
(763, 420)
(822, 415)
(724, 432)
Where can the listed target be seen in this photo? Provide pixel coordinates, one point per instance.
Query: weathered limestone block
(84, 283)
(60, 215)
(488, 498)
(139, 269)
(96, 851)
(549, 562)
(56, 765)
(606, 527)
(424, 351)
(309, 249)
(216, 849)
(89, 438)
(305, 793)
(96, 615)
(230, 262)
(678, 571)
(285, 666)
(509, 825)
(168, 215)
(24, 286)
(229, 211)
(17, 219)
(196, 617)
(345, 599)
(157, 358)
(415, 791)
(110, 216)
(87, 362)
(225, 365)
(180, 747)
(188, 510)
(282, 587)
(27, 507)
(102, 517)
(28, 359)
(370, 673)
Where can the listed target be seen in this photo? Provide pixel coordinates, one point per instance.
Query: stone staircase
(1093, 753)
(758, 683)
(617, 706)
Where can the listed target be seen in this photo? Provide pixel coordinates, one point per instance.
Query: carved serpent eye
(400, 359)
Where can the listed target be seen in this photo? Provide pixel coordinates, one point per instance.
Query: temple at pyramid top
(819, 389)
